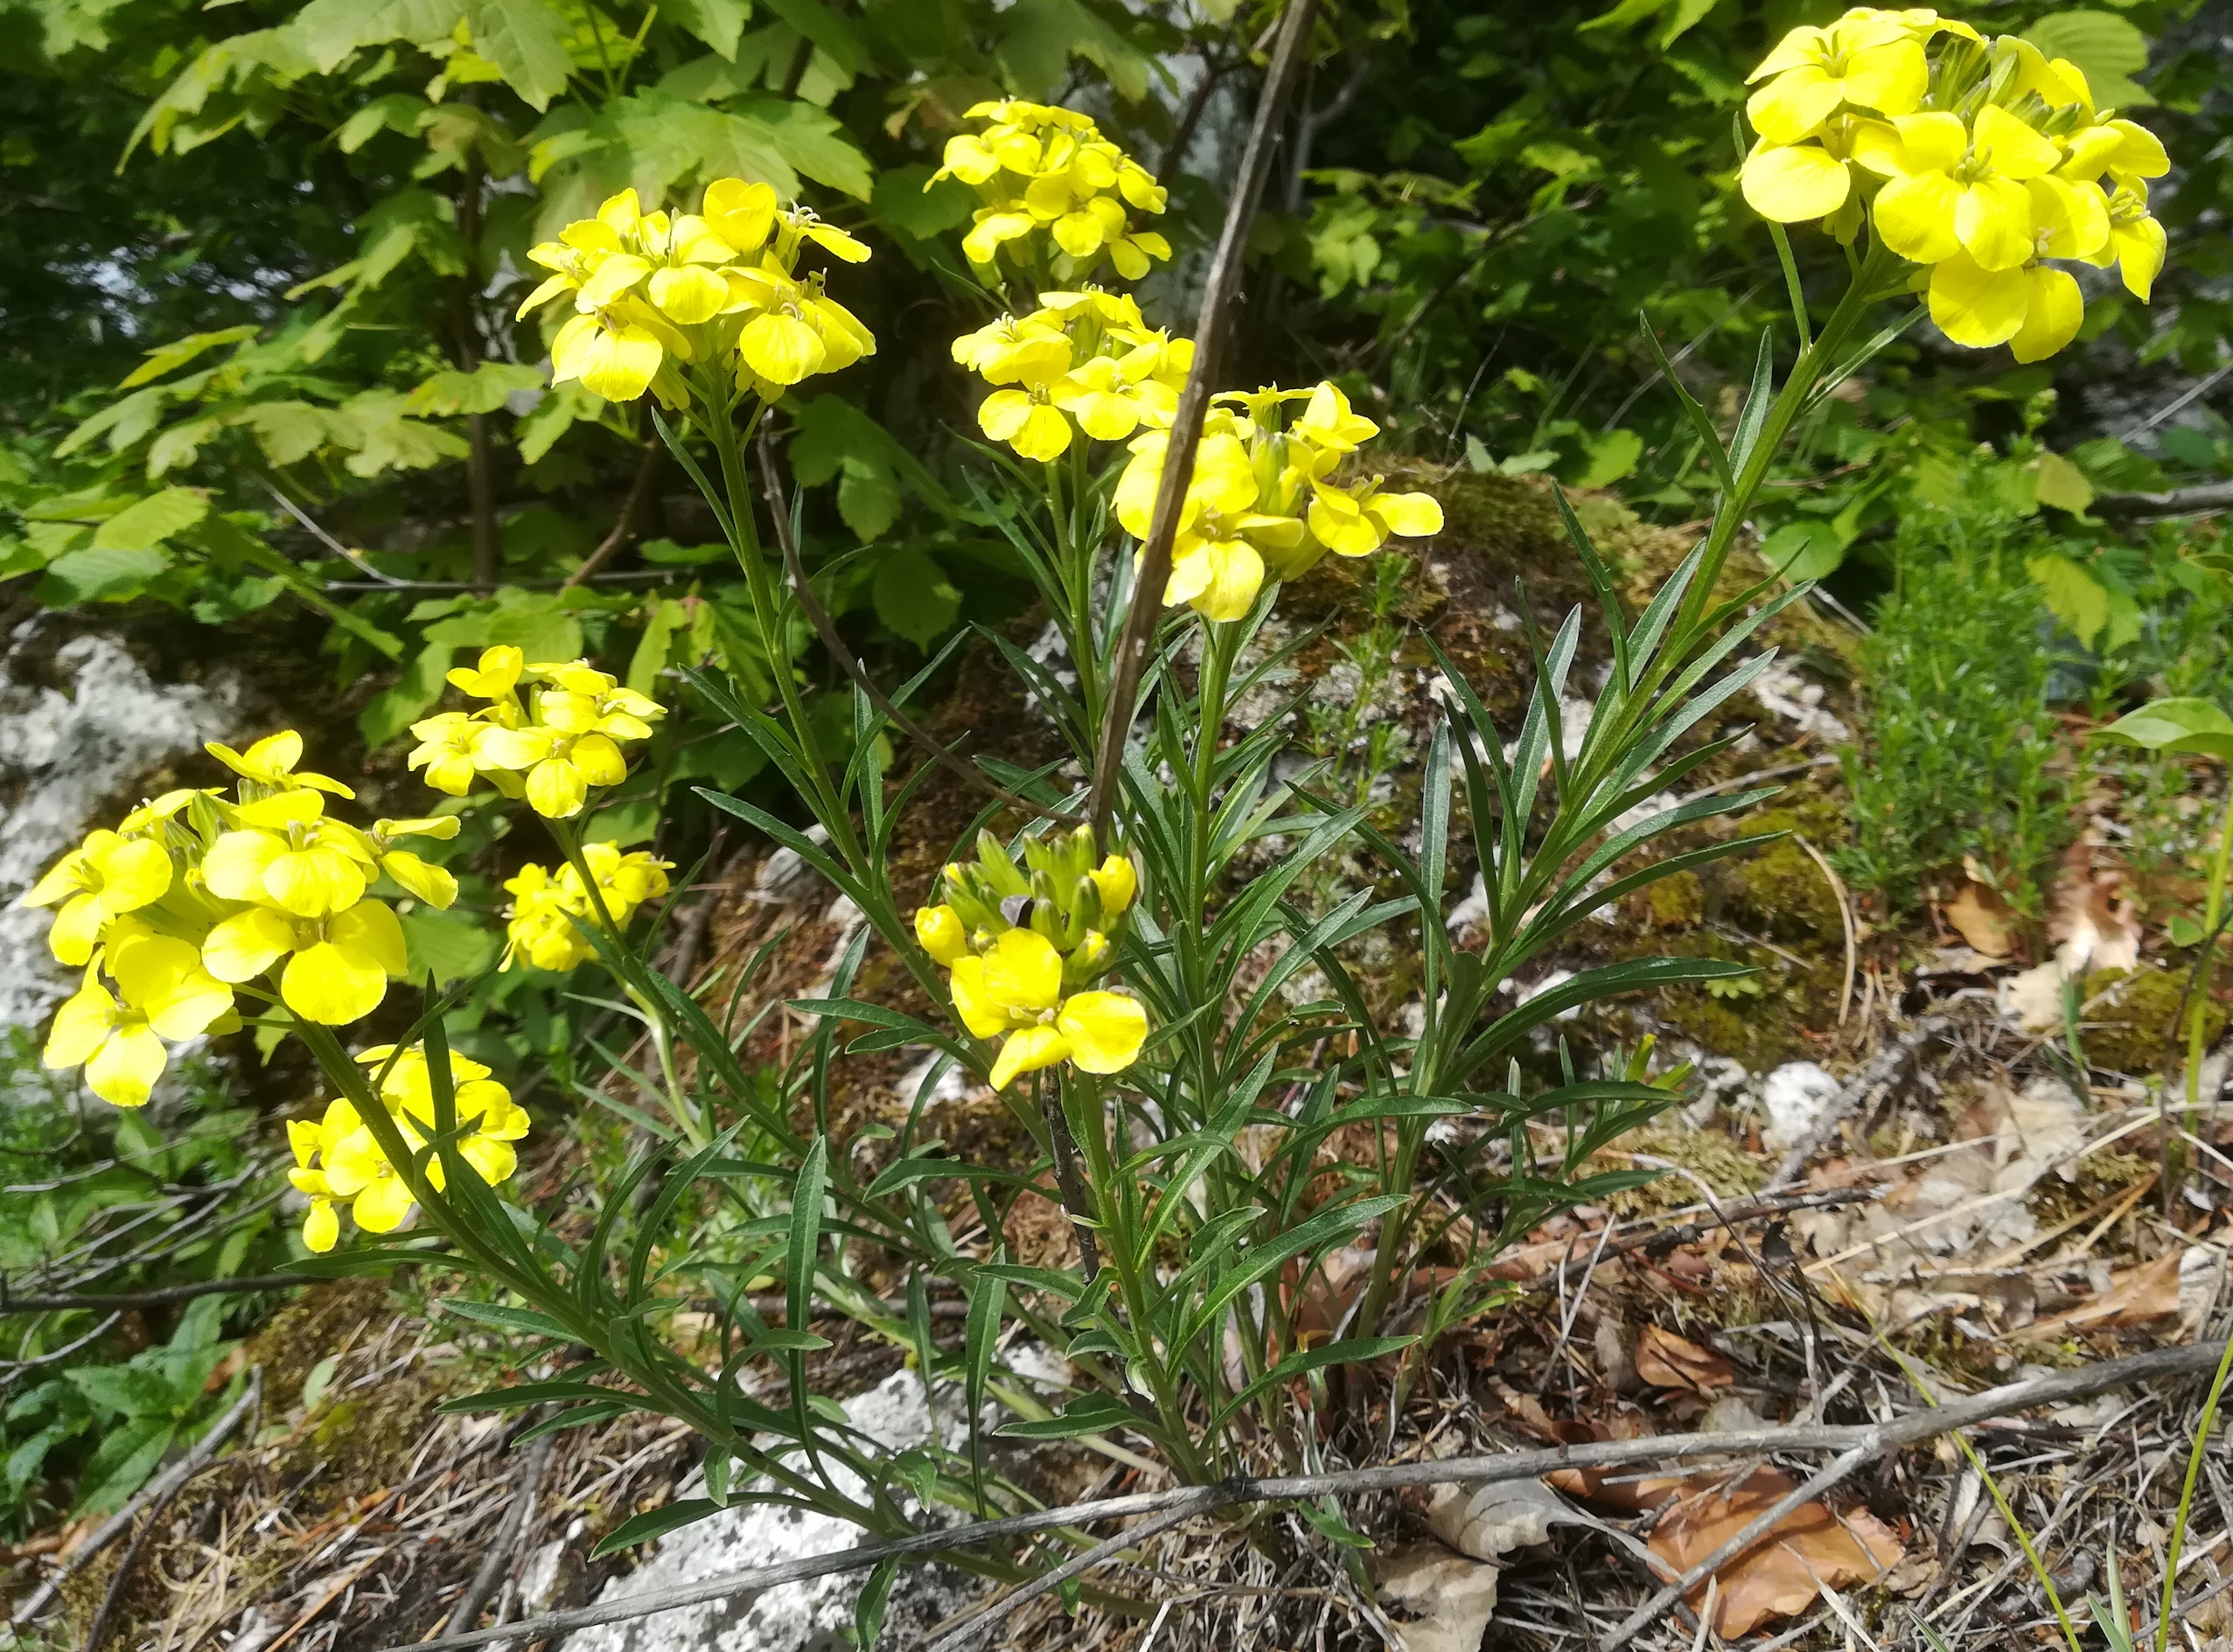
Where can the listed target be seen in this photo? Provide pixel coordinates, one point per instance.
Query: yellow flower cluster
(719, 285)
(1083, 361)
(1263, 502)
(1038, 168)
(196, 894)
(338, 1160)
(1977, 159)
(549, 909)
(1019, 944)
(549, 747)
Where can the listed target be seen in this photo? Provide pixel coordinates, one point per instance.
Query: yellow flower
(2136, 242)
(617, 349)
(494, 676)
(558, 783)
(455, 750)
(102, 878)
(167, 993)
(283, 854)
(1117, 883)
(1108, 403)
(496, 1120)
(942, 934)
(542, 927)
(337, 968)
(1792, 183)
(271, 762)
(1035, 350)
(356, 1170)
(1357, 521)
(321, 1223)
(1329, 424)
(2034, 309)
(1039, 168)
(618, 712)
(432, 884)
(1873, 63)
(1015, 989)
(1217, 558)
(2125, 150)
(741, 214)
(1027, 420)
(1954, 188)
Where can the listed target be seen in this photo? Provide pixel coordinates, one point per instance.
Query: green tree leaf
(154, 519)
(527, 41)
(913, 597)
(2179, 724)
(2109, 49)
(2062, 484)
(2072, 595)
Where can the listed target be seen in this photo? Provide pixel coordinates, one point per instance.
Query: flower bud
(999, 871)
(1088, 961)
(1117, 883)
(939, 930)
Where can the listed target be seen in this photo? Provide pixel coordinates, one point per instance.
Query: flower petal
(1105, 1030)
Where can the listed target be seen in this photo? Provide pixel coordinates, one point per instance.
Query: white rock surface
(795, 1617)
(64, 755)
(1795, 1095)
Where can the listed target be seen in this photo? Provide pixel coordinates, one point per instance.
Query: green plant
(1093, 952)
(1957, 765)
(134, 1413)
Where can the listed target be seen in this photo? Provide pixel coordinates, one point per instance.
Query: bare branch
(1209, 328)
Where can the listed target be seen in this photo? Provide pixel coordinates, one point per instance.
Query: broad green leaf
(914, 598)
(1038, 38)
(1610, 456)
(122, 1462)
(152, 521)
(483, 390)
(2178, 725)
(449, 947)
(905, 199)
(2062, 484)
(527, 40)
(1806, 549)
(99, 576)
(2108, 48)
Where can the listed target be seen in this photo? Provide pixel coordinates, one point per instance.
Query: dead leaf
(1985, 920)
(1450, 1598)
(1667, 1361)
(1779, 1576)
(1615, 1489)
(1488, 1522)
(2134, 1297)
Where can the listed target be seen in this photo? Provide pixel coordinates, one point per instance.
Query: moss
(1676, 901)
(1713, 1157)
(2130, 1021)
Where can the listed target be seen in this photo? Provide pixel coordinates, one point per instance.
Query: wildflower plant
(1125, 975)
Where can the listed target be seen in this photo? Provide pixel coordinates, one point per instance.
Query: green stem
(2187, 1492)
(2198, 995)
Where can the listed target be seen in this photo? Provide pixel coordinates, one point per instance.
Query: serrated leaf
(99, 576)
(913, 597)
(526, 40)
(152, 521)
(2072, 595)
(170, 358)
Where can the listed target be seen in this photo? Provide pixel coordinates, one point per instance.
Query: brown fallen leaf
(1983, 919)
(1778, 1577)
(1449, 1598)
(2134, 1297)
(1665, 1360)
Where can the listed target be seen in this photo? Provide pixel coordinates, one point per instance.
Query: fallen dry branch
(1869, 1440)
